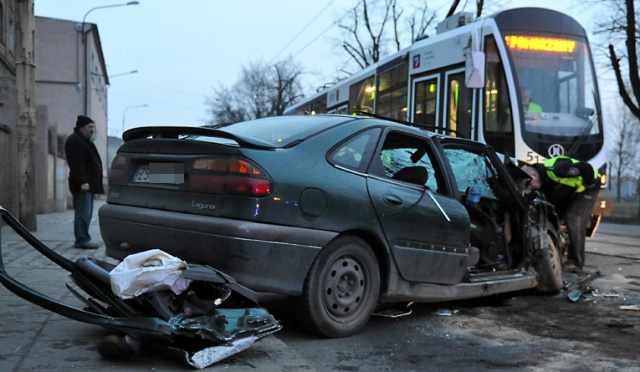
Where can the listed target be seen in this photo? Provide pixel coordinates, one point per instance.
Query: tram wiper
(582, 136)
(583, 112)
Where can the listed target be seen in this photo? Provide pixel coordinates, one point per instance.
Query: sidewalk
(35, 338)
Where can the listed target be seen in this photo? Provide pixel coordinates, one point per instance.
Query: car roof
(267, 133)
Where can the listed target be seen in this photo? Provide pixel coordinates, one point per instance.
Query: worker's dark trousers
(577, 217)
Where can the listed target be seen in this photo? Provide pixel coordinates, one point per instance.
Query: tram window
(426, 102)
(392, 93)
(319, 107)
(498, 116)
(361, 95)
(459, 106)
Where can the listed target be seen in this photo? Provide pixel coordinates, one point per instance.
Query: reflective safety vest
(533, 107)
(574, 182)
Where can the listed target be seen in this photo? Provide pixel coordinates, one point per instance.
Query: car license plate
(167, 173)
(142, 174)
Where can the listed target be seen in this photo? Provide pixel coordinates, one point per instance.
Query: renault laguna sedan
(342, 213)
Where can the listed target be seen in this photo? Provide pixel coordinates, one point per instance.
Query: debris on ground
(393, 310)
(446, 312)
(575, 291)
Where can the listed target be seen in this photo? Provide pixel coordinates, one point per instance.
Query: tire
(549, 268)
(341, 289)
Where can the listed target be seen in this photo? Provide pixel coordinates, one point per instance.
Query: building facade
(70, 80)
(8, 107)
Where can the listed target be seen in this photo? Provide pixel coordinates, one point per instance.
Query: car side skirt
(253, 253)
(401, 290)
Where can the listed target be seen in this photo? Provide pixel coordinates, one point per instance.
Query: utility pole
(25, 82)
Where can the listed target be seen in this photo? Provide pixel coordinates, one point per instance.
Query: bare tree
(375, 25)
(254, 88)
(223, 107)
(625, 140)
(379, 27)
(622, 28)
(420, 22)
(286, 88)
(263, 90)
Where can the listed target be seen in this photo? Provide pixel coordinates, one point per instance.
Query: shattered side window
(401, 151)
(471, 169)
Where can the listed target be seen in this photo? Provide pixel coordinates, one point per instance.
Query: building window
(2, 23)
(12, 37)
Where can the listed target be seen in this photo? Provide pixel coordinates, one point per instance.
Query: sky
(182, 50)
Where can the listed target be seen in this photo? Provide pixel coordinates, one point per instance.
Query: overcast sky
(183, 49)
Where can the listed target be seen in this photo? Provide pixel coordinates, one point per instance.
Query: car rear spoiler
(185, 131)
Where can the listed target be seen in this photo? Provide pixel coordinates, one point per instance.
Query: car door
(427, 231)
(497, 213)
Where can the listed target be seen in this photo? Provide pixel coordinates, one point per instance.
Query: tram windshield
(558, 94)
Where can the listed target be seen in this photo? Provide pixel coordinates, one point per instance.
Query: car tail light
(117, 173)
(229, 176)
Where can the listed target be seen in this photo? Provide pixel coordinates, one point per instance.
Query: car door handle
(392, 200)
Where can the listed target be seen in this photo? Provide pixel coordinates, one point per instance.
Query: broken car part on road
(190, 325)
(575, 291)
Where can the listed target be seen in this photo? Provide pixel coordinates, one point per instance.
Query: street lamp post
(108, 77)
(124, 112)
(84, 46)
(102, 7)
(124, 73)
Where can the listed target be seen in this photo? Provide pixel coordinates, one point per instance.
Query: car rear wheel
(549, 268)
(341, 289)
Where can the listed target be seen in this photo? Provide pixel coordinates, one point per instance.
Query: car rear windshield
(279, 131)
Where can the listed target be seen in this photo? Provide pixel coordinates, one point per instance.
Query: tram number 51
(532, 157)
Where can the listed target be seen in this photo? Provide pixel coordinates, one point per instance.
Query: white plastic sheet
(148, 271)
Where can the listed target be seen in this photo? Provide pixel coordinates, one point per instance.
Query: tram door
(425, 102)
(459, 106)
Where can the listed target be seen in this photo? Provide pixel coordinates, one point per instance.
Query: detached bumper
(159, 317)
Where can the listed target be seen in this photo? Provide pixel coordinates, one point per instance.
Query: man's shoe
(89, 245)
(570, 267)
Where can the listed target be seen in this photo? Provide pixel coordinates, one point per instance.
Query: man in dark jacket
(85, 178)
(572, 187)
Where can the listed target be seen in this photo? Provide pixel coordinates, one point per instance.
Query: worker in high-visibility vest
(572, 186)
(527, 103)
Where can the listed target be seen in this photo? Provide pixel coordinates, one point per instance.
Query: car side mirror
(584, 112)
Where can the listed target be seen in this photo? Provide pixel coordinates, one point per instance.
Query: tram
(521, 80)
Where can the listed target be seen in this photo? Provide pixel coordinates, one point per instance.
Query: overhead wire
(302, 31)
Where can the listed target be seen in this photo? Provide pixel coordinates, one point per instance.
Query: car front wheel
(341, 289)
(549, 268)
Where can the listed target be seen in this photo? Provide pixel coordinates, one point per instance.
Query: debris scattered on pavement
(394, 310)
(575, 291)
(445, 312)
